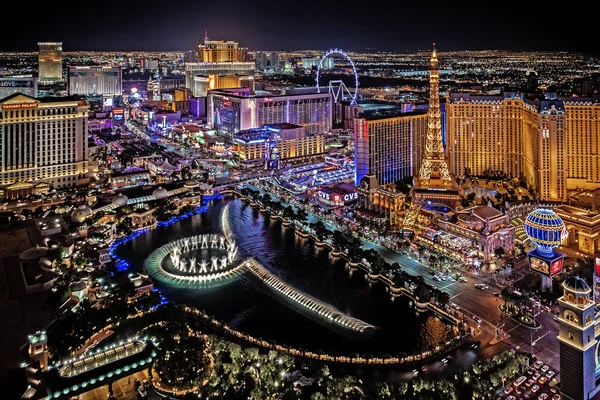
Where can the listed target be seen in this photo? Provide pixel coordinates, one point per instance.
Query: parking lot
(537, 383)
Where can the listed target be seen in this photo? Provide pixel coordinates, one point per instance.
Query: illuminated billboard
(556, 267)
(118, 114)
(546, 266)
(539, 265)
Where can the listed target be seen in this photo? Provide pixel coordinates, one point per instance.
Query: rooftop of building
(264, 132)
(241, 94)
(283, 126)
(569, 211)
(547, 102)
(341, 187)
(393, 115)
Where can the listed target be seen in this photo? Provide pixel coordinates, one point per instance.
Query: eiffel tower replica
(434, 184)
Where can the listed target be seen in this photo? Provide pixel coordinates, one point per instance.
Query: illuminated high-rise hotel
(42, 141)
(50, 61)
(389, 148)
(220, 65)
(94, 80)
(212, 51)
(554, 144)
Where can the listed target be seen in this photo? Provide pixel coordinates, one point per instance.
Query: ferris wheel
(342, 87)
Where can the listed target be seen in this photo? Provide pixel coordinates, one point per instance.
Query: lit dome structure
(576, 284)
(120, 200)
(81, 213)
(160, 193)
(545, 229)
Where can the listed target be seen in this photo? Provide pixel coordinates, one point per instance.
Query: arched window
(571, 337)
(570, 316)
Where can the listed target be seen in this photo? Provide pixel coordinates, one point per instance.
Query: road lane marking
(458, 294)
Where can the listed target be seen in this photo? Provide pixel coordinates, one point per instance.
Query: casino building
(42, 141)
(552, 142)
(94, 80)
(234, 110)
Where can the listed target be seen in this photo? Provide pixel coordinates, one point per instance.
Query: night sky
(125, 25)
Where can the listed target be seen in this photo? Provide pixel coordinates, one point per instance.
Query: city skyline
(409, 27)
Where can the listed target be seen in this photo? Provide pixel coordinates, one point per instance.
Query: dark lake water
(252, 308)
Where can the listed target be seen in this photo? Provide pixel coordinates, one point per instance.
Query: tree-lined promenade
(397, 281)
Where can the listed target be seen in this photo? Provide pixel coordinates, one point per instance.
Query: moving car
(142, 392)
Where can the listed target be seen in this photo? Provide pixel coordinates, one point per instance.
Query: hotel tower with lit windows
(42, 141)
(553, 143)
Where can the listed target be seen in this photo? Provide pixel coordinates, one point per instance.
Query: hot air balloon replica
(546, 230)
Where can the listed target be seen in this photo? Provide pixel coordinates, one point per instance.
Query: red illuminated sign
(19, 106)
(556, 267)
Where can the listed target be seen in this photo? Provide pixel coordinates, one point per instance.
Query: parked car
(545, 368)
(529, 382)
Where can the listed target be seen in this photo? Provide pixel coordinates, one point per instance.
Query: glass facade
(50, 61)
(384, 147)
(226, 116)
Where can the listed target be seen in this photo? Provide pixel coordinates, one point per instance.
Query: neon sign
(20, 106)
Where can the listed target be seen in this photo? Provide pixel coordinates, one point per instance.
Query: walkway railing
(306, 301)
(355, 360)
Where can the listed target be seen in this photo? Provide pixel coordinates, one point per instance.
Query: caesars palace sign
(19, 106)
